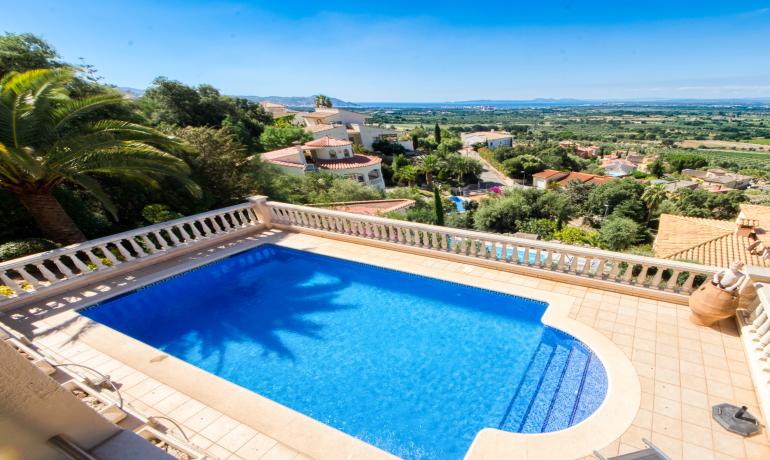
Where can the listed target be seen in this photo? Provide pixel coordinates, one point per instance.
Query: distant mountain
(132, 93)
(307, 101)
(298, 101)
(566, 102)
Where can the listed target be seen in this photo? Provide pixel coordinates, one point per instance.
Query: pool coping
(316, 439)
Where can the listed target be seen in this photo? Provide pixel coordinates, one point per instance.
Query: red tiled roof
(708, 241)
(286, 163)
(327, 141)
(294, 150)
(356, 161)
(564, 178)
(369, 208)
(548, 173)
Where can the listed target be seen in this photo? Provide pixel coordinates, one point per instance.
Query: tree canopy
(169, 102)
(22, 52)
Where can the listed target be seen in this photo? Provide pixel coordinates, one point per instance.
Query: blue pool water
(413, 365)
(459, 206)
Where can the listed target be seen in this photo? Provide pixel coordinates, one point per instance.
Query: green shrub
(544, 228)
(21, 248)
(618, 233)
(575, 235)
(157, 213)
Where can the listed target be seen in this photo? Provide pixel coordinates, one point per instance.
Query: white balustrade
(643, 272)
(754, 323)
(28, 275)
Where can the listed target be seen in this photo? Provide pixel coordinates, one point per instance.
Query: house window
(333, 154)
(347, 153)
(374, 174)
(356, 177)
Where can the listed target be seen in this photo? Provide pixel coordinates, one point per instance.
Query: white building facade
(491, 139)
(328, 154)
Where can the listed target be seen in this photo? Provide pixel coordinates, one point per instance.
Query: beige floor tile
(217, 430)
(696, 452)
(186, 410)
(280, 452)
(237, 437)
(697, 435)
(668, 407)
(670, 426)
(202, 419)
(728, 443)
(256, 446)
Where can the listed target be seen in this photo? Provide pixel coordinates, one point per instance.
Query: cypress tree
(438, 207)
(437, 134)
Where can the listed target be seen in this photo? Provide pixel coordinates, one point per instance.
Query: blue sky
(419, 51)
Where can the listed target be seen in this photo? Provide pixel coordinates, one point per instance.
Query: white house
(323, 130)
(328, 154)
(345, 125)
(492, 139)
(276, 110)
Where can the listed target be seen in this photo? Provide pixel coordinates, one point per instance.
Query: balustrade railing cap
(42, 256)
(497, 238)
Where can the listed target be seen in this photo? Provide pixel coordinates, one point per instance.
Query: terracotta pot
(709, 304)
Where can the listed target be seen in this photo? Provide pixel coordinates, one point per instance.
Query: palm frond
(72, 109)
(94, 188)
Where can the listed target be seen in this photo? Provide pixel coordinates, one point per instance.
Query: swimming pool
(459, 206)
(413, 365)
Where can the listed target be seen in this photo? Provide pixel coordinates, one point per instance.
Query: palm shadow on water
(196, 317)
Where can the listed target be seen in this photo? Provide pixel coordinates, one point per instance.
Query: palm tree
(45, 141)
(428, 167)
(322, 101)
(406, 174)
(652, 197)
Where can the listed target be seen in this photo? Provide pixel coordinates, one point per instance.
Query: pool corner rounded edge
(605, 425)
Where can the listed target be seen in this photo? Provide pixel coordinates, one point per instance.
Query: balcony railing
(650, 274)
(754, 323)
(23, 277)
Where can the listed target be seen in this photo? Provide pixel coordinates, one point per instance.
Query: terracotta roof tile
(369, 208)
(327, 141)
(285, 154)
(356, 161)
(708, 241)
(545, 174)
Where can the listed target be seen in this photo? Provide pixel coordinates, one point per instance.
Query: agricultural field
(724, 145)
(645, 125)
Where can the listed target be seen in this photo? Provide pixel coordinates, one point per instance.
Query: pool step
(563, 384)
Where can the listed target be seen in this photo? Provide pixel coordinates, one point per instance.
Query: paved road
(490, 174)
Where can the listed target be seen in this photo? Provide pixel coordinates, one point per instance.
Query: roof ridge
(702, 243)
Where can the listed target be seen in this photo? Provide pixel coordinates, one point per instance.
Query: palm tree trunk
(52, 219)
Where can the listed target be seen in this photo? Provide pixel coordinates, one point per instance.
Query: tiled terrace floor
(683, 369)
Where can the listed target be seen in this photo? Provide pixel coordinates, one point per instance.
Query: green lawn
(758, 140)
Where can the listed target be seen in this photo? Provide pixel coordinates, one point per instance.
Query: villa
(277, 331)
(328, 154)
(346, 125)
(617, 167)
(552, 178)
(583, 151)
(718, 180)
(674, 185)
(277, 110)
(491, 139)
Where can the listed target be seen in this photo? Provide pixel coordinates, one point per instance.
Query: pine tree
(437, 133)
(438, 206)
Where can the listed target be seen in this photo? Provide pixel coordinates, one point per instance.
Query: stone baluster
(62, 267)
(11, 283)
(47, 274)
